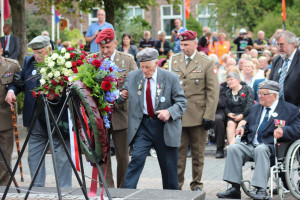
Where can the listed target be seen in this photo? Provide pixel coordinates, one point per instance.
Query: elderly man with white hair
(147, 41)
(253, 53)
(258, 140)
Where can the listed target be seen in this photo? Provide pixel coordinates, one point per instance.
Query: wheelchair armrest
(281, 149)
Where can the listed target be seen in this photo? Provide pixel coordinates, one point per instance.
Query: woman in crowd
(239, 99)
(204, 42)
(248, 73)
(128, 47)
(259, 73)
(222, 46)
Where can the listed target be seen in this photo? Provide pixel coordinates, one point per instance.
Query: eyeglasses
(280, 44)
(262, 94)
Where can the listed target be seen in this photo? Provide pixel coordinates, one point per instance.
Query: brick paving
(150, 178)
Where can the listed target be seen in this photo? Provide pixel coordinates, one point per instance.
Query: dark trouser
(7, 145)
(150, 134)
(220, 130)
(120, 139)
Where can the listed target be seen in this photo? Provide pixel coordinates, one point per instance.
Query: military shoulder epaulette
(12, 60)
(205, 56)
(125, 54)
(176, 54)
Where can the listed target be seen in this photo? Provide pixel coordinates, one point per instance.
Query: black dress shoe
(220, 153)
(197, 189)
(189, 154)
(231, 193)
(261, 194)
(112, 151)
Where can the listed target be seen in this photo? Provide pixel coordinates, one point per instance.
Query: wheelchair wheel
(280, 193)
(248, 189)
(292, 168)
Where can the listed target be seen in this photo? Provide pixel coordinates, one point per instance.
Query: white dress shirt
(273, 106)
(153, 84)
(7, 45)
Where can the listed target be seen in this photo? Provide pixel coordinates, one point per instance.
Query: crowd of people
(175, 100)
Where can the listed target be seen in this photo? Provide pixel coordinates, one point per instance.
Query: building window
(93, 16)
(207, 16)
(134, 11)
(169, 14)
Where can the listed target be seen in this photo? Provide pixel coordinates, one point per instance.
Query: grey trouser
(37, 143)
(238, 154)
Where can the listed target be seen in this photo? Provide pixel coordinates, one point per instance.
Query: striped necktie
(189, 61)
(263, 125)
(282, 78)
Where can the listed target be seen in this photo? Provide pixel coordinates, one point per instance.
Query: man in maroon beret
(107, 42)
(200, 84)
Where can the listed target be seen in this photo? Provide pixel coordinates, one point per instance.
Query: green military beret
(39, 42)
(147, 55)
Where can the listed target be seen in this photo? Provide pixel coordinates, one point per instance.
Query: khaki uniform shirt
(201, 87)
(126, 63)
(8, 68)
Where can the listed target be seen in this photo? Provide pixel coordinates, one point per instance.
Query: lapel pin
(139, 92)
(274, 114)
(33, 72)
(197, 81)
(162, 99)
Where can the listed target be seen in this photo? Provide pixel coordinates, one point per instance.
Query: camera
(99, 30)
(175, 31)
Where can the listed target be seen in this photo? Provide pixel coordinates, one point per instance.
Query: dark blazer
(30, 83)
(286, 111)
(292, 79)
(14, 46)
(133, 50)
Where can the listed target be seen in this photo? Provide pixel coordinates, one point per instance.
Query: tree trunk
(154, 22)
(110, 11)
(19, 26)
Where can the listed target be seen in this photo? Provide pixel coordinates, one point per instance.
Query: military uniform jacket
(201, 87)
(8, 68)
(126, 63)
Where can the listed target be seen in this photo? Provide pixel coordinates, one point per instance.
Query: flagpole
(53, 23)
(2, 16)
(184, 19)
(57, 30)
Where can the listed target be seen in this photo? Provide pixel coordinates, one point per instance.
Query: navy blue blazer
(255, 88)
(31, 81)
(286, 111)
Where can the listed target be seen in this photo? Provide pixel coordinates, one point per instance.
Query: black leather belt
(148, 117)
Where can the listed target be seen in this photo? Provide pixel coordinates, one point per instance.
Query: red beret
(105, 36)
(187, 35)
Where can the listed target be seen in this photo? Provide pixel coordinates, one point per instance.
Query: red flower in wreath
(39, 93)
(74, 64)
(111, 69)
(106, 109)
(79, 62)
(46, 87)
(66, 78)
(84, 53)
(94, 56)
(81, 46)
(61, 83)
(54, 82)
(34, 94)
(82, 56)
(70, 48)
(96, 63)
(72, 55)
(243, 95)
(106, 85)
(75, 70)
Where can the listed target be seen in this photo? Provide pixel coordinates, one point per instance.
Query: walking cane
(17, 139)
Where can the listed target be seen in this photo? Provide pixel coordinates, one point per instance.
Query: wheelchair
(285, 171)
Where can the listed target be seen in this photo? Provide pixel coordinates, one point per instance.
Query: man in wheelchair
(258, 140)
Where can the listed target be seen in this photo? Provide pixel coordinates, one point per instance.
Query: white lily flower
(68, 64)
(67, 56)
(51, 64)
(50, 75)
(43, 81)
(56, 74)
(54, 56)
(63, 50)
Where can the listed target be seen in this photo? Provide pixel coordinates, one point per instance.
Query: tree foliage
(193, 24)
(31, 23)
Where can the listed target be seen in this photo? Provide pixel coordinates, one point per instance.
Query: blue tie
(282, 78)
(263, 125)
